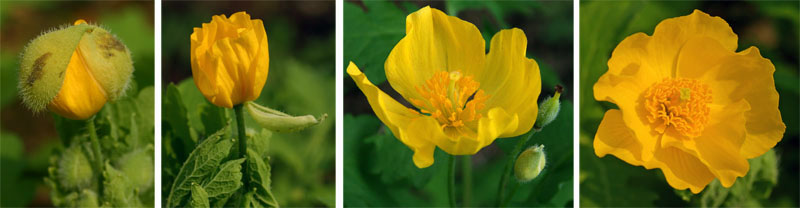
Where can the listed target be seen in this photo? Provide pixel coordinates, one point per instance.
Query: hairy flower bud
(530, 163)
(548, 110)
(74, 71)
(74, 170)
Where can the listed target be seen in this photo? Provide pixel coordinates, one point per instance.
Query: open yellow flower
(230, 59)
(74, 71)
(465, 97)
(688, 103)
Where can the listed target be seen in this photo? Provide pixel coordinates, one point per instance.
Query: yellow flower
(74, 71)
(466, 98)
(688, 103)
(230, 59)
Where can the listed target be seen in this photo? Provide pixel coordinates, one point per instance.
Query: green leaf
(225, 182)
(202, 162)
(174, 113)
(260, 179)
(370, 35)
(199, 197)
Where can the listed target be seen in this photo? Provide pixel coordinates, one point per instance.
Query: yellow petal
(434, 42)
(80, 96)
(496, 122)
(410, 127)
(230, 59)
(718, 146)
(733, 77)
(681, 169)
(672, 34)
(614, 137)
(511, 79)
(415, 135)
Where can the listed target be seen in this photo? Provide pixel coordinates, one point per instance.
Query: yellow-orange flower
(465, 97)
(74, 71)
(688, 103)
(230, 59)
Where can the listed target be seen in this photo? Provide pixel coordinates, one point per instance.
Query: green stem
(451, 181)
(98, 155)
(242, 143)
(510, 165)
(466, 171)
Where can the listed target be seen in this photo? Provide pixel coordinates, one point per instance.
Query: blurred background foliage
(772, 26)
(301, 81)
(378, 169)
(29, 139)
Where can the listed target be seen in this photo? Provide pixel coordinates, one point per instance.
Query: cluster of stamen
(678, 103)
(451, 99)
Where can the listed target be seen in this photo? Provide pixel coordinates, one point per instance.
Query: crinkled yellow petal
(434, 42)
(496, 122)
(672, 34)
(733, 77)
(80, 95)
(511, 79)
(417, 135)
(681, 169)
(410, 127)
(629, 75)
(719, 145)
(230, 59)
(614, 137)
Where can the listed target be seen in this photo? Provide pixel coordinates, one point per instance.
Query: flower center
(679, 103)
(452, 99)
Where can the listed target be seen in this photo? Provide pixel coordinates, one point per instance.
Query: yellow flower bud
(230, 59)
(74, 71)
(530, 163)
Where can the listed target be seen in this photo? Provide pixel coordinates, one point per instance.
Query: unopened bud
(74, 71)
(74, 170)
(530, 163)
(548, 109)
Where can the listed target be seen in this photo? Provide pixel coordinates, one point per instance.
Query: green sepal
(278, 121)
(44, 62)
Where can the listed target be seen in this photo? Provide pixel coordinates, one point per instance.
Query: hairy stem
(98, 155)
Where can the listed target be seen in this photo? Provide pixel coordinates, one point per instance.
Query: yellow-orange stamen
(447, 99)
(679, 103)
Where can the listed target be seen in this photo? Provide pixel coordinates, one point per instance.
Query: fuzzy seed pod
(74, 71)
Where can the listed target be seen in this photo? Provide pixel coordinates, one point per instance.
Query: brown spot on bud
(38, 65)
(107, 43)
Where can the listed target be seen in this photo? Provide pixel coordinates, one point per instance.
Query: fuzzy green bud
(74, 170)
(87, 198)
(530, 163)
(138, 166)
(548, 109)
